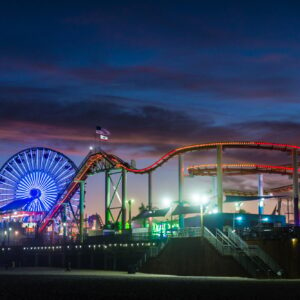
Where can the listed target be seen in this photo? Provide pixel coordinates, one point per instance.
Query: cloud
(138, 130)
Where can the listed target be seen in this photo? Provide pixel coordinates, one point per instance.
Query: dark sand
(88, 284)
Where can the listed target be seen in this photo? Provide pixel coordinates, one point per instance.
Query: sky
(157, 74)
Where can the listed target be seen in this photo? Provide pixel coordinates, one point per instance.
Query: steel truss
(115, 197)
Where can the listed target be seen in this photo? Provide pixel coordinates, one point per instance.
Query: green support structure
(115, 197)
(107, 198)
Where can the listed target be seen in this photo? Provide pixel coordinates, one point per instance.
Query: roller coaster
(45, 183)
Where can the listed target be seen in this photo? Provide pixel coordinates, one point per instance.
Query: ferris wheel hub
(35, 193)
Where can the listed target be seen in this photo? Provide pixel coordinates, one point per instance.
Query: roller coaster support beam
(150, 199)
(219, 178)
(107, 198)
(180, 187)
(124, 198)
(150, 190)
(260, 193)
(81, 210)
(64, 220)
(295, 187)
(115, 197)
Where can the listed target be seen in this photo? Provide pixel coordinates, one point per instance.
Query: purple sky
(157, 74)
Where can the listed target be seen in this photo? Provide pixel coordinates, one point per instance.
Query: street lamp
(9, 230)
(5, 234)
(202, 200)
(167, 202)
(130, 201)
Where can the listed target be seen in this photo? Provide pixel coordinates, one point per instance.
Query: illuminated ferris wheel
(33, 179)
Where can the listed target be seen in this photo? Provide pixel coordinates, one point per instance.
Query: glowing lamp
(167, 202)
(200, 199)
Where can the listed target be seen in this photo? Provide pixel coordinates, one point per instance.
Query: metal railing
(255, 251)
(212, 239)
(228, 245)
(225, 246)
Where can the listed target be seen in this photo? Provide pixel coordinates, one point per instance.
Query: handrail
(237, 240)
(224, 238)
(255, 250)
(212, 239)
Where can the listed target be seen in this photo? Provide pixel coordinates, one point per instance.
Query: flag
(103, 137)
(102, 131)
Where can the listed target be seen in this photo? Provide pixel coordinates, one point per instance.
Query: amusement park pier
(43, 222)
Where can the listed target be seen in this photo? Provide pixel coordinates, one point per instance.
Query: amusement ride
(44, 191)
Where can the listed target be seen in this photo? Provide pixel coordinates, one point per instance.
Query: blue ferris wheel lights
(37, 175)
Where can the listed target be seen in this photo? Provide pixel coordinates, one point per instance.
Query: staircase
(251, 257)
(264, 263)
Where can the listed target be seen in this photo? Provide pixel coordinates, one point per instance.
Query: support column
(107, 198)
(150, 199)
(64, 221)
(214, 192)
(180, 188)
(124, 197)
(150, 190)
(219, 179)
(81, 210)
(260, 193)
(295, 187)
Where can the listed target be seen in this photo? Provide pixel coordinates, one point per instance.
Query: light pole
(167, 202)
(9, 230)
(130, 201)
(5, 234)
(202, 200)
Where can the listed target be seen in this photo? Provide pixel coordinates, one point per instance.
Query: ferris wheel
(33, 179)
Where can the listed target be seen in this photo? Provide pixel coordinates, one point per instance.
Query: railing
(237, 240)
(212, 239)
(255, 251)
(228, 245)
(145, 236)
(189, 232)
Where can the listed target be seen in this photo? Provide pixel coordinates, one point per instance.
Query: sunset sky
(158, 75)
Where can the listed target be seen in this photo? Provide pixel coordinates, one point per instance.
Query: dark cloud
(143, 131)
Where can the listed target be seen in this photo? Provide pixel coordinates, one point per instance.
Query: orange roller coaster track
(238, 169)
